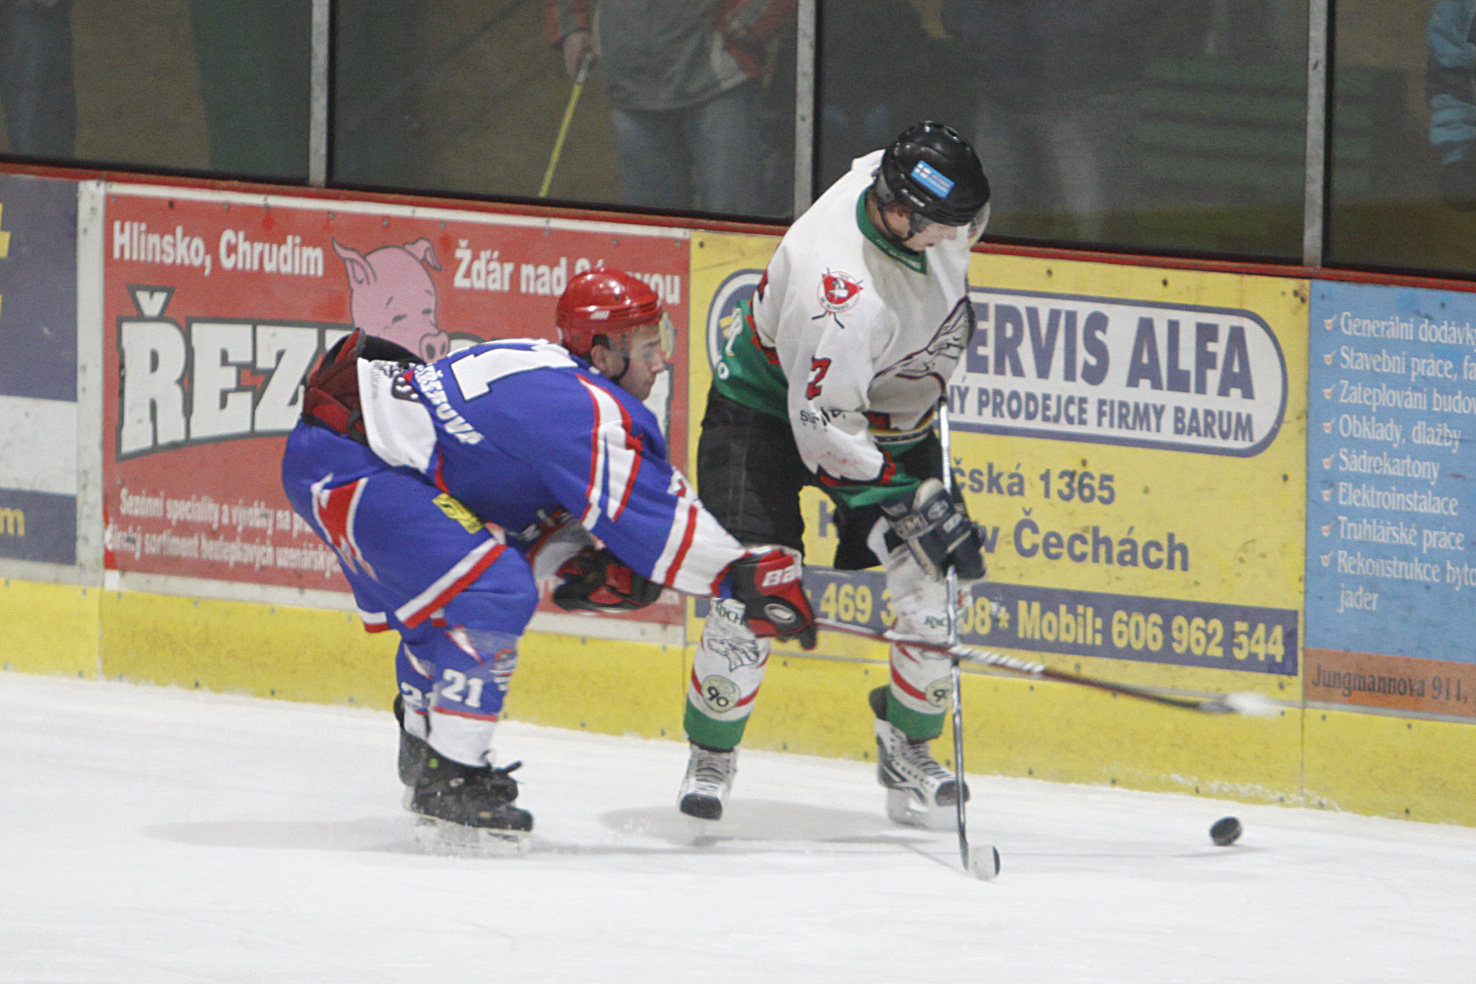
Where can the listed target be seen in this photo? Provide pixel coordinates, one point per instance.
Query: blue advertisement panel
(38, 368)
(38, 287)
(38, 526)
(1391, 515)
(1247, 638)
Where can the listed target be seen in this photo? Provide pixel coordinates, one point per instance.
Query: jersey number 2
(819, 367)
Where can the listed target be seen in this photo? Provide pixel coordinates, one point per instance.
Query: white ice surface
(162, 836)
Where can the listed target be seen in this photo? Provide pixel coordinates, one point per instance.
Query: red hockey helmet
(607, 303)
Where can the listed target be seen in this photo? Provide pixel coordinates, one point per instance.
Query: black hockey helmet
(932, 170)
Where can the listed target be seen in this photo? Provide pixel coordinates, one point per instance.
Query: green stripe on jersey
(916, 262)
(745, 376)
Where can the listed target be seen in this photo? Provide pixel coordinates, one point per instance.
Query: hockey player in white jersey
(830, 377)
(449, 490)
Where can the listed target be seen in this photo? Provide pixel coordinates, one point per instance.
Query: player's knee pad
(918, 687)
(499, 601)
(921, 603)
(474, 671)
(729, 664)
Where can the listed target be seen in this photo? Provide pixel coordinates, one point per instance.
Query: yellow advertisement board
(1132, 442)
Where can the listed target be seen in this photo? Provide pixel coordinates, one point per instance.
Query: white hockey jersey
(852, 339)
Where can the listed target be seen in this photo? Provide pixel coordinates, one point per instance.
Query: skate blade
(904, 808)
(707, 809)
(701, 831)
(443, 837)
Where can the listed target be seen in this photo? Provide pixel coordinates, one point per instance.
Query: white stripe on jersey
(678, 543)
(414, 611)
(698, 550)
(614, 460)
(373, 621)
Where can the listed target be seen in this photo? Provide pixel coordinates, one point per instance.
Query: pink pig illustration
(392, 295)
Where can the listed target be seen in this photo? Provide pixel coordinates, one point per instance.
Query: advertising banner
(38, 369)
(1390, 517)
(1132, 442)
(216, 306)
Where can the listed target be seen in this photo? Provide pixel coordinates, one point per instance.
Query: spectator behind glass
(1450, 85)
(880, 71)
(684, 90)
(1056, 115)
(36, 80)
(254, 58)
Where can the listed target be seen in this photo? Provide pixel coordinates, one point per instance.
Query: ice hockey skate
(413, 753)
(707, 783)
(920, 792)
(463, 809)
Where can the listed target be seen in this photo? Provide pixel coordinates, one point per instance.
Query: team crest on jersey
(838, 291)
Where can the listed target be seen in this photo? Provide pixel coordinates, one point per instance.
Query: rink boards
(1196, 480)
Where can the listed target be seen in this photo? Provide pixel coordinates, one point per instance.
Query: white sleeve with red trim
(829, 365)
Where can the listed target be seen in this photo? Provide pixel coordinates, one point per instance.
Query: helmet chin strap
(617, 379)
(916, 223)
(882, 225)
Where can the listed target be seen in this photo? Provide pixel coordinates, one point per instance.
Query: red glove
(596, 581)
(770, 587)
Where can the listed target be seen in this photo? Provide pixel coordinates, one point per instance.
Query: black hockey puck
(1226, 831)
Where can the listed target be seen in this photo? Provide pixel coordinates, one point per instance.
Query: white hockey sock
(462, 739)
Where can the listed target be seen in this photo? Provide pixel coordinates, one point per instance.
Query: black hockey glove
(596, 581)
(937, 531)
(770, 588)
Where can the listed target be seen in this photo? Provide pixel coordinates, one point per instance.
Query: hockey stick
(1242, 703)
(558, 148)
(980, 867)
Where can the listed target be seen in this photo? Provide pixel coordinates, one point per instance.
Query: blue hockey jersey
(516, 432)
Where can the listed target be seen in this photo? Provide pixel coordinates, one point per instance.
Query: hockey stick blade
(1248, 703)
(1251, 704)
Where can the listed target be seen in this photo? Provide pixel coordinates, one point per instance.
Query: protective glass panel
(200, 85)
(1403, 176)
(659, 106)
(1151, 124)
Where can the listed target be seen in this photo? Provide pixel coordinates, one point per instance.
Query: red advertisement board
(216, 306)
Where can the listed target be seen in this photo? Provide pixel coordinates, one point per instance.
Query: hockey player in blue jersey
(451, 490)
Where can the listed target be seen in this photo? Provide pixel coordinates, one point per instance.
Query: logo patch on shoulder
(838, 291)
(401, 388)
